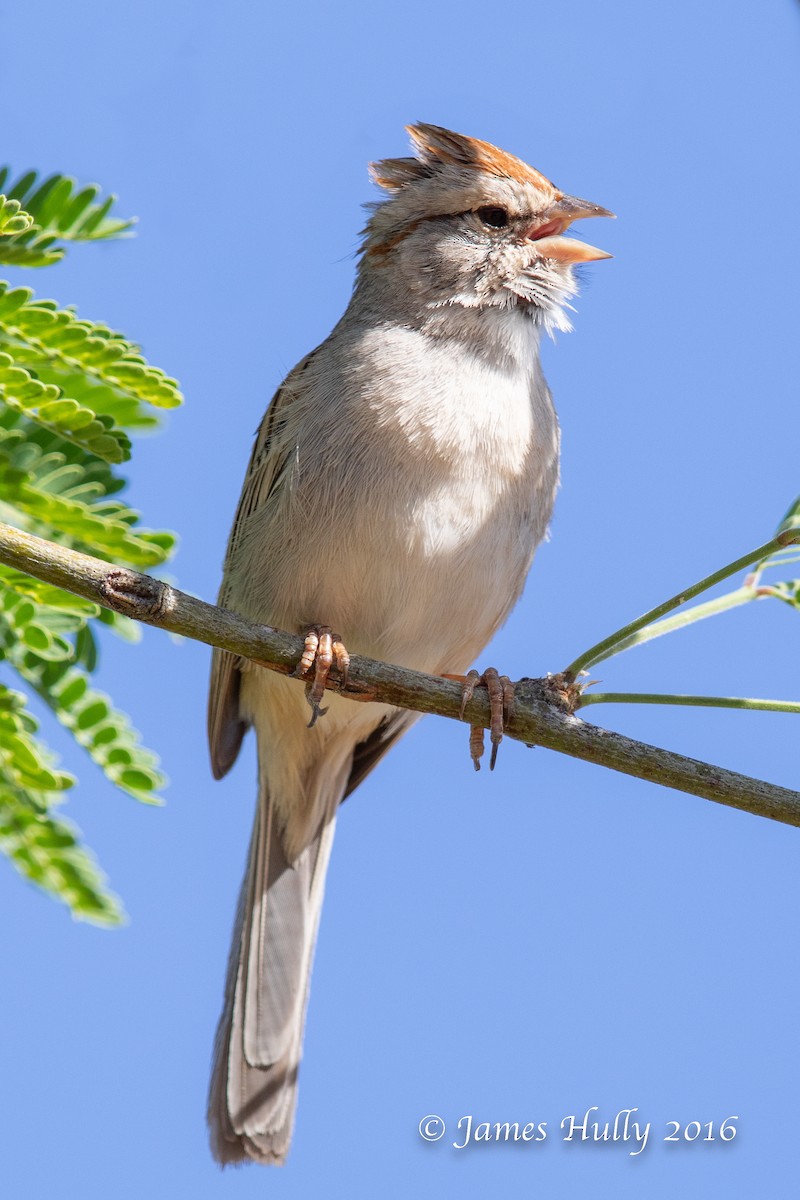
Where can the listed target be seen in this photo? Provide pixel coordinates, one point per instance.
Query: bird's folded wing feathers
(264, 473)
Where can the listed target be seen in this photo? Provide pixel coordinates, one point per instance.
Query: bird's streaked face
(467, 224)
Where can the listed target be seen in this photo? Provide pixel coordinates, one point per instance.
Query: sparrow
(401, 480)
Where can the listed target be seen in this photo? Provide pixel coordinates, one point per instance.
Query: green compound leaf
(46, 594)
(56, 496)
(126, 412)
(56, 210)
(71, 393)
(47, 404)
(40, 331)
(77, 379)
(44, 848)
(102, 730)
(13, 218)
(41, 618)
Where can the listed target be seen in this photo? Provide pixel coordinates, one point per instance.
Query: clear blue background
(521, 945)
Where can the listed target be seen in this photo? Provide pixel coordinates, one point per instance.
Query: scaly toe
(341, 660)
(309, 652)
(501, 704)
(322, 651)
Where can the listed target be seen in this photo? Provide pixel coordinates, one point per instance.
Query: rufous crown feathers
(436, 147)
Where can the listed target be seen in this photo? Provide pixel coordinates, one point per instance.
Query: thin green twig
(710, 608)
(790, 706)
(627, 634)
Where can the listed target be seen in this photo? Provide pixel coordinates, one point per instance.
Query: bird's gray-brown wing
(368, 753)
(264, 473)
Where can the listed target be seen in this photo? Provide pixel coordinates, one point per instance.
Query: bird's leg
(323, 651)
(501, 702)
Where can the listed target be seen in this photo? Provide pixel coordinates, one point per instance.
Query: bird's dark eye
(493, 216)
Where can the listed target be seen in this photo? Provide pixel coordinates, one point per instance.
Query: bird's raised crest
(436, 147)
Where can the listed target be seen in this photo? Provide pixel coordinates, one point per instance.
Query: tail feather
(272, 955)
(259, 1039)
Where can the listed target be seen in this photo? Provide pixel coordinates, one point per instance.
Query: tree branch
(541, 714)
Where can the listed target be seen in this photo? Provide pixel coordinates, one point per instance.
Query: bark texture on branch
(540, 717)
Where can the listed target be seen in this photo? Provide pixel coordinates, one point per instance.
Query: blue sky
(517, 946)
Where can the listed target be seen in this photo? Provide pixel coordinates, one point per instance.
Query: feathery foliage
(44, 848)
(71, 393)
(43, 214)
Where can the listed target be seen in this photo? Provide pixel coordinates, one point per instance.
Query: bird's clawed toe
(501, 701)
(323, 651)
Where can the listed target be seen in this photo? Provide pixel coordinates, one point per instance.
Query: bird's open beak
(547, 231)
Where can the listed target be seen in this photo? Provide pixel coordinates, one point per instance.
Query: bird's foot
(323, 651)
(501, 701)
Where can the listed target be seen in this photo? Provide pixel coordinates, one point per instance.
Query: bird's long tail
(258, 1046)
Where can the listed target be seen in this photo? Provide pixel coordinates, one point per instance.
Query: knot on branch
(557, 691)
(137, 596)
(564, 694)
